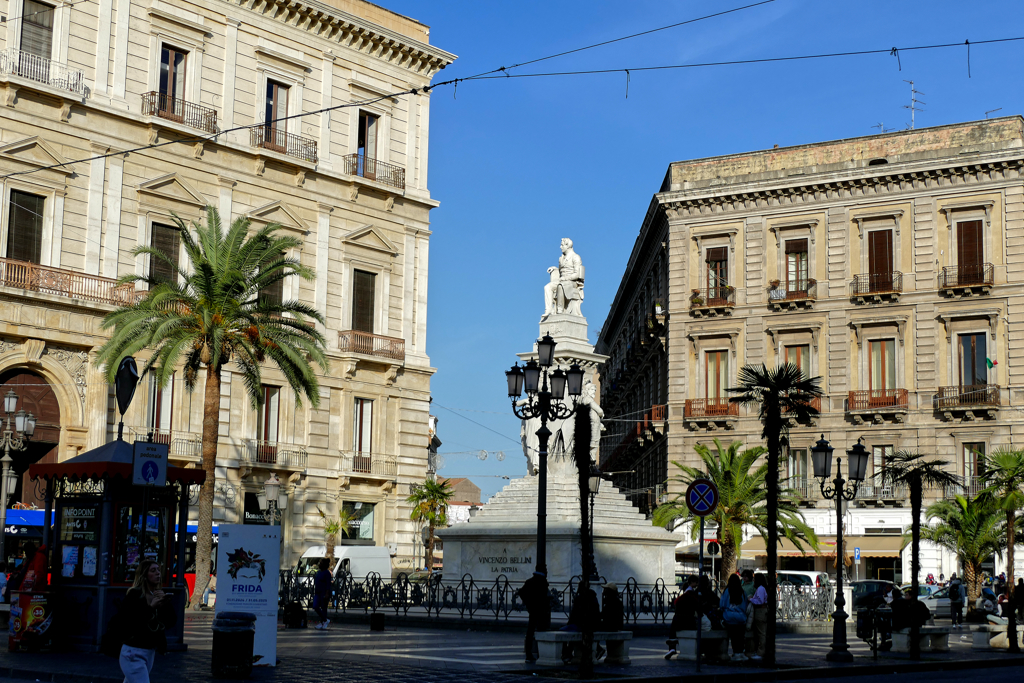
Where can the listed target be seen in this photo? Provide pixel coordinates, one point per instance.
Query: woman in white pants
(145, 615)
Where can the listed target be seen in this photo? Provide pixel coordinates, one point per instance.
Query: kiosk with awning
(881, 554)
(101, 533)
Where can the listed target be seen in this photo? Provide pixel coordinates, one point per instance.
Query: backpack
(294, 615)
(734, 614)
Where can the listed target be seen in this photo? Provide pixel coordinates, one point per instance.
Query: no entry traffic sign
(702, 497)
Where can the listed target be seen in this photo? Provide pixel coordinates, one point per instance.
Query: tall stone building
(237, 96)
(890, 266)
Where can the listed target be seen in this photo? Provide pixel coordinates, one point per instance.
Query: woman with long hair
(760, 602)
(734, 616)
(146, 614)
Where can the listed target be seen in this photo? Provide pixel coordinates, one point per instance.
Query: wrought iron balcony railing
(875, 399)
(183, 445)
(877, 283)
(711, 407)
(967, 396)
(273, 455)
(815, 403)
(370, 344)
(372, 169)
(794, 290)
(975, 275)
(277, 140)
(179, 111)
(968, 487)
(69, 283)
(42, 70)
(876, 491)
(375, 464)
(713, 297)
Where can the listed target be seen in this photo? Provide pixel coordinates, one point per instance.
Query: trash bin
(233, 635)
(865, 623)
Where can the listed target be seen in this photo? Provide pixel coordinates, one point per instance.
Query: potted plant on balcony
(658, 307)
(775, 290)
(696, 299)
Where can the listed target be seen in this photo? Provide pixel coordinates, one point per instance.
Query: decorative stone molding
(348, 368)
(75, 361)
(777, 228)
(774, 330)
(391, 374)
(899, 320)
(895, 214)
(7, 345)
(947, 317)
(985, 204)
(34, 350)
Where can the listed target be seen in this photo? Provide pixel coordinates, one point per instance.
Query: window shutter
(37, 29)
(167, 240)
(363, 301)
(718, 254)
(25, 231)
(880, 252)
(969, 251)
(796, 246)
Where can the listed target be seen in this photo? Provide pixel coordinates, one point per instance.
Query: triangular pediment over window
(173, 187)
(371, 238)
(36, 153)
(280, 213)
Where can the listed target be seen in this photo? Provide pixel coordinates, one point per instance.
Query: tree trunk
(972, 577)
(430, 548)
(729, 555)
(916, 494)
(772, 482)
(204, 530)
(330, 542)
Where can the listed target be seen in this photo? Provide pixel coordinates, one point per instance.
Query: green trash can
(233, 636)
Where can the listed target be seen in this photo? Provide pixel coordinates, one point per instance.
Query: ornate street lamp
(545, 391)
(271, 489)
(594, 485)
(12, 440)
(821, 458)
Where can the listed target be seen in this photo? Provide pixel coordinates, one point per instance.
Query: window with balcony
(367, 144)
(274, 112)
(797, 470)
(25, 227)
(363, 301)
(160, 402)
(717, 259)
(273, 293)
(974, 459)
(362, 435)
(796, 266)
(37, 29)
(880, 260)
(167, 240)
(266, 425)
(880, 457)
(170, 104)
(881, 366)
(800, 356)
(973, 359)
(971, 271)
(716, 375)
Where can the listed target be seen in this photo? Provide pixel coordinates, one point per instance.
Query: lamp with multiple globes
(12, 440)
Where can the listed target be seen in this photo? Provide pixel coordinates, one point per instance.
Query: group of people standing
(742, 608)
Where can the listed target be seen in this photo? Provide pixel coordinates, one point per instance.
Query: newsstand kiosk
(99, 536)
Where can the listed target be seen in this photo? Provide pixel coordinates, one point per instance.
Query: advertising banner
(248, 570)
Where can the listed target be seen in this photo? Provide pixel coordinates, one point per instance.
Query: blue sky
(519, 163)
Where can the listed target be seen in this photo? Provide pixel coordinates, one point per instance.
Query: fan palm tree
(910, 469)
(742, 500)
(777, 391)
(1004, 477)
(430, 505)
(973, 530)
(213, 314)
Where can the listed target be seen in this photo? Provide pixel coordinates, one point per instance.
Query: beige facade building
(891, 266)
(242, 99)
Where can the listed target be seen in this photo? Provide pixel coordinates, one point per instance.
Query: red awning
(109, 461)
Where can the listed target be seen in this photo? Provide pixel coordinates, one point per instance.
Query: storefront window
(360, 520)
(79, 536)
(134, 544)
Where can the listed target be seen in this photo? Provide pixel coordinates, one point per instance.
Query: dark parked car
(869, 593)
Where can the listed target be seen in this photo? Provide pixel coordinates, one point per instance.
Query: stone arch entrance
(35, 396)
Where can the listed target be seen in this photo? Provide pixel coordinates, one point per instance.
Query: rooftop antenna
(992, 111)
(913, 102)
(881, 128)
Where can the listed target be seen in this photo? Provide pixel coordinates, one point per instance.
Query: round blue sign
(702, 497)
(150, 472)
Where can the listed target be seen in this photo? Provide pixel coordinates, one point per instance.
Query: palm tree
(430, 505)
(215, 313)
(781, 390)
(972, 530)
(910, 469)
(742, 500)
(332, 526)
(1004, 476)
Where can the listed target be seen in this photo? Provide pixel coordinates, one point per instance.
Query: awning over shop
(687, 550)
(870, 546)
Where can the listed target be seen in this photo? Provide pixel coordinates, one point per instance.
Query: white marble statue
(564, 292)
(549, 292)
(589, 399)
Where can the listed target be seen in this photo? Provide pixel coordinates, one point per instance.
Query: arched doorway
(34, 396)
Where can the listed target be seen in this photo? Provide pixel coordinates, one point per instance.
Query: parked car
(935, 598)
(802, 579)
(869, 592)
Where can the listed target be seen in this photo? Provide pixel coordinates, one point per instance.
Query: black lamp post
(544, 403)
(594, 485)
(821, 457)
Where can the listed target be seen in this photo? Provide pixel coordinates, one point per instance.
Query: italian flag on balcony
(991, 363)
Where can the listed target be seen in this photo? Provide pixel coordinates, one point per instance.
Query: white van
(357, 560)
(802, 579)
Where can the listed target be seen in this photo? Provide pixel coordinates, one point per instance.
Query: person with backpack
(144, 617)
(322, 593)
(956, 601)
(734, 616)
(759, 601)
(534, 596)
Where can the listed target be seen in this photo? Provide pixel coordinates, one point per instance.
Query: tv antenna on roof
(992, 111)
(881, 128)
(913, 102)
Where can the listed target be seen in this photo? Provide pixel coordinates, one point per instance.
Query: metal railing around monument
(498, 599)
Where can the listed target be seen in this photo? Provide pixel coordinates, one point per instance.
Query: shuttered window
(362, 428)
(368, 135)
(718, 261)
(796, 265)
(799, 356)
(716, 374)
(167, 240)
(273, 294)
(37, 29)
(969, 251)
(974, 460)
(266, 425)
(363, 301)
(25, 227)
(880, 252)
(882, 364)
(275, 110)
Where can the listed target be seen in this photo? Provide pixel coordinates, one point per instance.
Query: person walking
(1018, 598)
(322, 593)
(534, 596)
(145, 615)
(760, 627)
(686, 617)
(956, 601)
(734, 616)
(612, 613)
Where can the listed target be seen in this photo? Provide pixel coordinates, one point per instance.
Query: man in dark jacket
(534, 596)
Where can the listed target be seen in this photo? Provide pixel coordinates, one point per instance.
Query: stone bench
(713, 644)
(994, 637)
(931, 639)
(549, 645)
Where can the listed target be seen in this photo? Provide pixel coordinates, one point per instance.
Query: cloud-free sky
(519, 163)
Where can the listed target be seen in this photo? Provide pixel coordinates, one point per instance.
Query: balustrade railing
(69, 283)
(711, 407)
(273, 455)
(967, 486)
(277, 140)
(877, 283)
(42, 70)
(874, 399)
(967, 395)
(794, 290)
(371, 344)
(358, 462)
(180, 111)
(183, 445)
(713, 297)
(373, 169)
(967, 276)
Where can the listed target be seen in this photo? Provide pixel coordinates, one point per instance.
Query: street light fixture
(271, 489)
(594, 485)
(24, 428)
(821, 458)
(545, 392)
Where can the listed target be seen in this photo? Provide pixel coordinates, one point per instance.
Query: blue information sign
(702, 497)
(150, 466)
(856, 554)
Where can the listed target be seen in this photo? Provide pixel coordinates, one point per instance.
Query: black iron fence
(498, 598)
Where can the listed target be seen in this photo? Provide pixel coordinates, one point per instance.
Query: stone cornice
(836, 186)
(354, 32)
